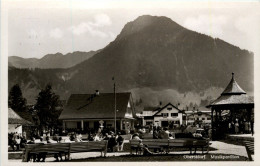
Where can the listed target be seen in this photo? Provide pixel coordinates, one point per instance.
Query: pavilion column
(121, 124)
(212, 111)
(82, 125)
(63, 124)
(231, 114)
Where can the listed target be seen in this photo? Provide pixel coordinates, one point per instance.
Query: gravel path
(217, 146)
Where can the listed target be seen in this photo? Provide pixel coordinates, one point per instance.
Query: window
(208, 118)
(165, 115)
(169, 108)
(203, 118)
(174, 114)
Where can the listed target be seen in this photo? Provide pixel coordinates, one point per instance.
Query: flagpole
(115, 101)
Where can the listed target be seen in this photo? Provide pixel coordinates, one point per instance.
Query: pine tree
(46, 106)
(16, 101)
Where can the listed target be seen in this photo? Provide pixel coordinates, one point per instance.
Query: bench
(66, 148)
(52, 148)
(77, 147)
(181, 143)
(249, 145)
(168, 144)
(201, 144)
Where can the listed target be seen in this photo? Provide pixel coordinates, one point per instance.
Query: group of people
(240, 126)
(162, 133)
(115, 141)
(158, 133)
(17, 141)
(42, 156)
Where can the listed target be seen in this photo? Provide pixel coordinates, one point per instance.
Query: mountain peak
(150, 23)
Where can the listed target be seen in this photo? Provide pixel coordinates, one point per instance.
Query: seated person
(49, 140)
(106, 137)
(171, 136)
(23, 142)
(136, 136)
(96, 137)
(78, 139)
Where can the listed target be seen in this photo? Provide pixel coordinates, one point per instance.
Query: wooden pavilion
(233, 105)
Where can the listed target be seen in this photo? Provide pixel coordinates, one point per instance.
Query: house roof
(14, 118)
(233, 88)
(165, 107)
(89, 106)
(232, 95)
(233, 99)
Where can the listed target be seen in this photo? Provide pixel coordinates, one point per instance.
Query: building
(148, 115)
(199, 117)
(15, 122)
(91, 111)
(166, 116)
(232, 106)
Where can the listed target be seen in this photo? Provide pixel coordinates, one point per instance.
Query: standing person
(120, 142)
(23, 141)
(229, 127)
(155, 133)
(252, 127)
(246, 124)
(232, 127)
(16, 141)
(236, 127)
(111, 142)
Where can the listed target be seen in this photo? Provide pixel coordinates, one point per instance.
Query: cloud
(101, 20)
(56, 33)
(94, 28)
(208, 24)
(152, 97)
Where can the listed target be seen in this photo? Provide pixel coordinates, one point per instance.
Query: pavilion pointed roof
(232, 95)
(233, 88)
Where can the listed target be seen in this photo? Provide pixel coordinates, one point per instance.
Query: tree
(16, 101)
(47, 107)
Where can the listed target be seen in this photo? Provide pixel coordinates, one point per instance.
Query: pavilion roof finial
(233, 75)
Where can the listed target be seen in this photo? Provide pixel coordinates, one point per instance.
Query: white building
(15, 122)
(166, 116)
(201, 117)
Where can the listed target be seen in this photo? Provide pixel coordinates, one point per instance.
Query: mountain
(50, 61)
(152, 57)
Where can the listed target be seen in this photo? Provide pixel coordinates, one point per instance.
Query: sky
(37, 29)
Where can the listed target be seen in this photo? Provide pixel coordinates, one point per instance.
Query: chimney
(160, 104)
(177, 105)
(97, 93)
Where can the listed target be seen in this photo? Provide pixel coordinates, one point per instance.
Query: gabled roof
(233, 88)
(89, 106)
(14, 118)
(165, 107)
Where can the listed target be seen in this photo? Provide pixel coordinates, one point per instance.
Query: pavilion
(233, 105)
